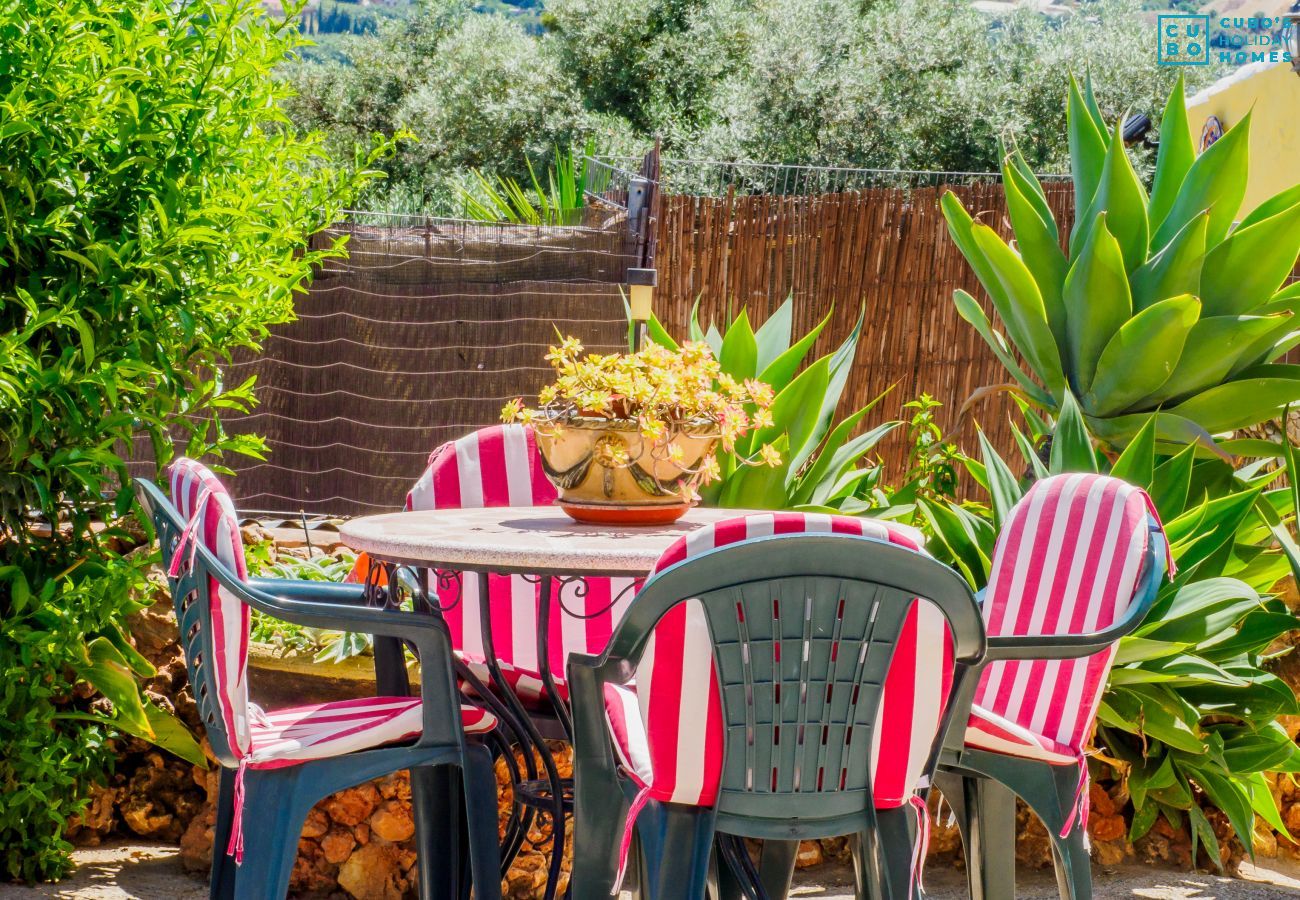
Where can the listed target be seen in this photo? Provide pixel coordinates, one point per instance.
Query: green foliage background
(908, 84)
(154, 211)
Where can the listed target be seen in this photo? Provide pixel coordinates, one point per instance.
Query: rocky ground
(135, 871)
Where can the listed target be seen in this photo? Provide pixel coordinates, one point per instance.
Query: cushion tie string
(1080, 804)
(189, 537)
(922, 847)
(629, 827)
(236, 846)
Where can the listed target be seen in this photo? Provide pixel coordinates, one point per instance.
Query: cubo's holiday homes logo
(1183, 40)
(1193, 40)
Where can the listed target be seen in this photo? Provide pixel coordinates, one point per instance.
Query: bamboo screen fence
(883, 251)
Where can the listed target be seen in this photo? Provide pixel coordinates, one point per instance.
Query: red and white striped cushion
(669, 731)
(1067, 562)
(206, 505)
(285, 737)
(500, 466)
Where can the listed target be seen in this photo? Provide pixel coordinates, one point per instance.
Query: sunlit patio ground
(152, 872)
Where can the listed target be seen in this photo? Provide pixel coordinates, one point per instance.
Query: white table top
(527, 539)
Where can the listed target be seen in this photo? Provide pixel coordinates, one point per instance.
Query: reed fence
(883, 253)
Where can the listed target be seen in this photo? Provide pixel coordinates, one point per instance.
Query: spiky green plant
(559, 202)
(1160, 304)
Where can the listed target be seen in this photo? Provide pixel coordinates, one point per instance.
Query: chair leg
(990, 838)
(1073, 865)
(896, 829)
(481, 814)
(435, 803)
(776, 867)
(275, 809)
(678, 843)
(222, 884)
(599, 812)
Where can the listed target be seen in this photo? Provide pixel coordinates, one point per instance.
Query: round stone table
(544, 546)
(533, 540)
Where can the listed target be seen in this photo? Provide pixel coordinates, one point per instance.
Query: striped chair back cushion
(206, 505)
(500, 466)
(683, 723)
(1067, 561)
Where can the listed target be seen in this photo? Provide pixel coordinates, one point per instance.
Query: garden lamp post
(641, 289)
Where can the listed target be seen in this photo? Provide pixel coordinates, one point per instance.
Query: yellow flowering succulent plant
(658, 392)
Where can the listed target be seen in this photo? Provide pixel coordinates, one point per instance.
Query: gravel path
(153, 872)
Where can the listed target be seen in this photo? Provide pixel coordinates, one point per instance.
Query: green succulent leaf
(969, 309)
(1087, 142)
(1243, 272)
(1023, 315)
(1137, 463)
(1212, 349)
(1173, 159)
(1122, 198)
(1142, 355)
(773, 336)
(779, 372)
(1072, 449)
(739, 349)
(1097, 302)
(1279, 202)
(1039, 247)
(1216, 182)
(1017, 170)
(1003, 487)
(1240, 403)
(1176, 269)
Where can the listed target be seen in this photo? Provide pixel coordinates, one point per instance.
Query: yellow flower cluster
(664, 391)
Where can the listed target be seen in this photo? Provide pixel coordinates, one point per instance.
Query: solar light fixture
(641, 290)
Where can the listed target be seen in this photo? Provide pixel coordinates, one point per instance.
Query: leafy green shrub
(154, 211)
(559, 202)
(1190, 712)
(824, 465)
(1159, 305)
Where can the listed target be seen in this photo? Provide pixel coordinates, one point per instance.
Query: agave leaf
(841, 364)
(1174, 431)
(1279, 202)
(844, 459)
(1244, 271)
(779, 372)
(1023, 313)
(1142, 355)
(1029, 453)
(773, 336)
(1213, 347)
(1176, 269)
(1173, 159)
(1097, 302)
(693, 329)
(797, 408)
(1094, 108)
(1238, 404)
(713, 338)
(970, 310)
(1003, 487)
(1087, 149)
(1121, 196)
(830, 448)
(1215, 182)
(739, 349)
(1039, 248)
(1072, 449)
(1017, 170)
(1137, 464)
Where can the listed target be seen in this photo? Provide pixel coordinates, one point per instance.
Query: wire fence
(712, 178)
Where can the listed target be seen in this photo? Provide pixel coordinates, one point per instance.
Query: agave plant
(824, 464)
(1159, 304)
(1190, 712)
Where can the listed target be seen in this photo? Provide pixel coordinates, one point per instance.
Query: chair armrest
(324, 591)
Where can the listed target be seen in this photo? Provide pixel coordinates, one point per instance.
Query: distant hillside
(351, 17)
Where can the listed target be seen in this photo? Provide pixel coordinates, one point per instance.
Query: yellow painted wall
(1274, 92)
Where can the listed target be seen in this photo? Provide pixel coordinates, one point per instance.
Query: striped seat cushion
(284, 737)
(668, 732)
(500, 466)
(1067, 561)
(206, 505)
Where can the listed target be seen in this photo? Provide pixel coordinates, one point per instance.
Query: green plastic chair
(278, 800)
(850, 593)
(980, 776)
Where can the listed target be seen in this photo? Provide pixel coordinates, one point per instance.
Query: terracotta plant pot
(578, 457)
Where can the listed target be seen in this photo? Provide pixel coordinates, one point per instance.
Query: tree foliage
(154, 212)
